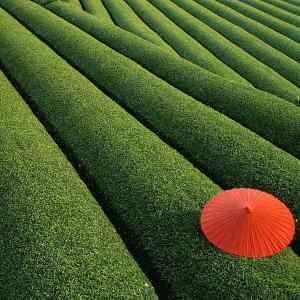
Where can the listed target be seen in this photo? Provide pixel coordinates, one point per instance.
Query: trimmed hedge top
(150, 192)
(259, 74)
(271, 37)
(125, 17)
(251, 107)
(56, 242)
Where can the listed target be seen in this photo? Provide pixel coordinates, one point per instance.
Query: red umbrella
(247, 222)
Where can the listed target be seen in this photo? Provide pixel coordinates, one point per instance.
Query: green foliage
(276, 60)
(277, 12)
(56, 242)
(290, 7)
(276, 24)
(251, 107)
(260, 75)
(153, 192)
(181, 42)
(97, 8)
(213, 142)
(269, 36)
(124, 17)
(149, 190)
(294, 2)
(75, 2)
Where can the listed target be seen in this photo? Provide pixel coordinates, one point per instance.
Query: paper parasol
(247, 222)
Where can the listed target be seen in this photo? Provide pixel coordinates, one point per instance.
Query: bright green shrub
(274, 11)
(124, 17)
(97, 8)
(181, 42)
(260, 75)
(276, 60)
(75, 2)
(151, 191)
(269, 36)
(276, 24)
(56, 242)
(229, 149)
(253, 108)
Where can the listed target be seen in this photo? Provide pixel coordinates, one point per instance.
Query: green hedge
(293, 2)
(75, 2)
(97, 8)
(56, 242)
(181, 42)
(290, 7)
(125, 18)
(213, 142)
(276, 24)
(43, 2)
(253, 108)
(274, 11)
(260, 75)
(153, 192)
(269, 36)
(276, 60)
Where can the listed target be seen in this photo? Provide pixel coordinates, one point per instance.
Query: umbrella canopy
(247, 222)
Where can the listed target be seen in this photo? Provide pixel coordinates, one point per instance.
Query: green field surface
(251, 107)
(285, 5)
(266, 34)
(119, 120)
(276, 60)
(124, 17)
(289, 30)
(55, 242)
(182, 42)
(257, 73)
(280, 13)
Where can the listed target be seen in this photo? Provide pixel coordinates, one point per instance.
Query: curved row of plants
(257, 73)
(124, 17)
(56, 242)
(274, 11)
(266, 34)
(154, 193)
(276, 24)
(290, 7)
(97, 8)
(251, 107)
(228, 149)
(294, 2)
(282, 64)
(181, 42)
(75, 2)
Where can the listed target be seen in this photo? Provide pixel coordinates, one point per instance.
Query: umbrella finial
(248, 209)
